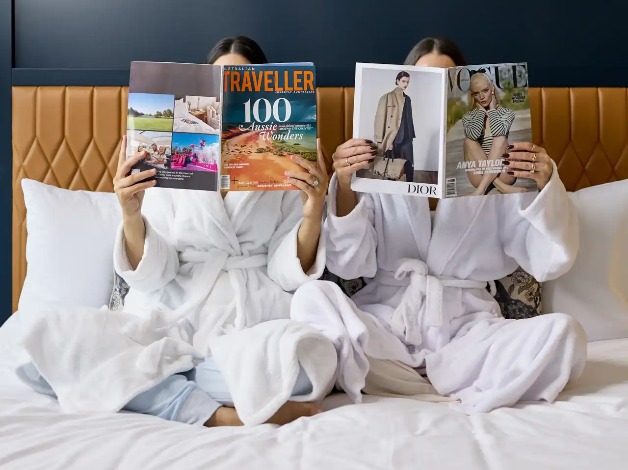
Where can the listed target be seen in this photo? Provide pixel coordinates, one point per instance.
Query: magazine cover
(402, 109)
(174, 114)
(269, 115)
(488, 108)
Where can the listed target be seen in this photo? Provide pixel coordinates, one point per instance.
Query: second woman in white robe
(427, 303)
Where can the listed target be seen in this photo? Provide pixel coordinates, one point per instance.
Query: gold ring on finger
(533, 170)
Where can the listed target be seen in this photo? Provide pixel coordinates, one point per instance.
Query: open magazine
(441, 132)
(211, 127)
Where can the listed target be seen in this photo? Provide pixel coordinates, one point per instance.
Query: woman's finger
(525, 147)
(318, 173)
(523, 174)
(361, 150)
(302, 162)
(141, 187)
(356, 150)
(521, 155)
(128, 164)
(303, 176)
(348, 161)
(361, 166)
(125, 194)
(342, 169)
(361, 158)
(122, 153)
(355, 142)
(135, 178)
(353, 151)
(306, 188)
(513, 165)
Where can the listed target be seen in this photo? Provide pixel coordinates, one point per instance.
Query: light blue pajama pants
(191, 397)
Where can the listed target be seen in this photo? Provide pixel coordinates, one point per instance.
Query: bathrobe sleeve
(352, 239)
(540, 231)
(160, 262)
(284, 266)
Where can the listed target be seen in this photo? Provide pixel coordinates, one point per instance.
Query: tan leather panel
(65, 136)
(69, 137)
(613, 125)
(348, 106)
(555, 124)
(585, 121)
(535, 113)
(585, 131)
(331, 118)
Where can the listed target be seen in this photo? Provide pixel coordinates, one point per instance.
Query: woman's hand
(130, 193)
(353, 155)
(312, 181)
(493, 103)
(313, 184)
(526, 160)
(127, 187)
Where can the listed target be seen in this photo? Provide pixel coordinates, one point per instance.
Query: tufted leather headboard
(69, 137)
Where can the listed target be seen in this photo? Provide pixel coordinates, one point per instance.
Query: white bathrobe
(212, 271)
(426, 303)
(218, 264)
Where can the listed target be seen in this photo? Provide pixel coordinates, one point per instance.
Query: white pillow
(69, 249)
(595, 290)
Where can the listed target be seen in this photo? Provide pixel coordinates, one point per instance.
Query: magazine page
(402, 109)
(269, 116)
(174, 114)
(488, 108)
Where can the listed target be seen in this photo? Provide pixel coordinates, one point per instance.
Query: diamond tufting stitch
(70, 136)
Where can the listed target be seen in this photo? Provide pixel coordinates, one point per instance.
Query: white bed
(587, 427)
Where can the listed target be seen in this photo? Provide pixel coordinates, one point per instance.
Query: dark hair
(400, 75)
(440, 45)
(242, 45)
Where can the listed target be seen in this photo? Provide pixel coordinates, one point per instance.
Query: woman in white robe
(201, 263)
(426, 306)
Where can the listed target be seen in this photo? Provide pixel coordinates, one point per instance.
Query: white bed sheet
(586, 427)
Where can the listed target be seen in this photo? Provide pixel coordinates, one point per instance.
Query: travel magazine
(212, 127)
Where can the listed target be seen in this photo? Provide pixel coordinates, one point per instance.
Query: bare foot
(224, 416)
(289, 411)
(293, 410)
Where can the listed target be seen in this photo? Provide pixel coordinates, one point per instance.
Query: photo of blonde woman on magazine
(486, 128)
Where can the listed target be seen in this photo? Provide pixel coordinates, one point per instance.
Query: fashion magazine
(441, 132)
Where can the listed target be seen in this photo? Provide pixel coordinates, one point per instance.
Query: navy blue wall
(74, 42)
(565, 43)
(6, 179)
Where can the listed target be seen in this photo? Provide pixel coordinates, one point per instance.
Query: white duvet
(587, 427)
